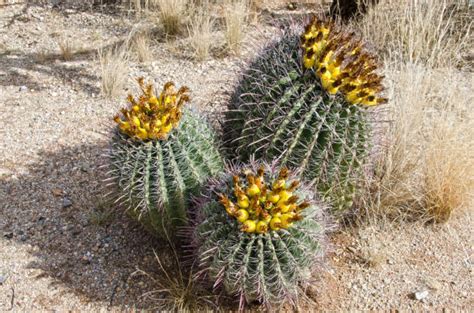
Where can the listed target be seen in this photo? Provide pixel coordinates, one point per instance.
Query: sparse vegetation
(201, 33)
(424, 170)
(141, 46)
(66, 48)
(235, 16)
(114, 70)
(171, 15)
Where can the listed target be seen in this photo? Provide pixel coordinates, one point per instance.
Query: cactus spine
(268, 260)
(154, 178)
(280, 110)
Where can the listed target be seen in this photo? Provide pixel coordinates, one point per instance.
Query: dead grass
(426, 170)
(66, 48)
(201, 33)
(235, 16)
(175, 287)
(171, 14)
(141, 46)
(114, 70)
(432, 32)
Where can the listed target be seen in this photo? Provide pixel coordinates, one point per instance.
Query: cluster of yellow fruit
(150, 117)
(342, 63)
(260, 207)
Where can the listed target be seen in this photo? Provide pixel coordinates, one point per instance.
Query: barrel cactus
(161, 153)
(259, 233)
(309, 110)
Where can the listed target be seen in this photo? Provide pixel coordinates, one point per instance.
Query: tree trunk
(346, 9)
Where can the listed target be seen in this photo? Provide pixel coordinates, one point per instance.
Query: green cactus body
(155, 178)
(279, 111)
(268, 267)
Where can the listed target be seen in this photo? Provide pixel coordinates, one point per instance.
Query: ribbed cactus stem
(268, 266)
(281, 111)
(155, 179)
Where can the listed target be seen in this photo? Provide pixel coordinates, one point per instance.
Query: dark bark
(346, 9)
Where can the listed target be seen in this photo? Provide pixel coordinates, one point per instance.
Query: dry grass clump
(171, 14)
(66, 48)
(142, 47)
(201, 33)
(427, 168)
(114, 70)
(235, 17)
(176, 288)
(416, 30)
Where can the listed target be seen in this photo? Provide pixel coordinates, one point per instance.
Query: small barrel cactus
(259, 233)
(308, 110)
(160, 155)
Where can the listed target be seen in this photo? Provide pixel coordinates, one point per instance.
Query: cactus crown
(342, 63)
(152, 118)
(262, 207)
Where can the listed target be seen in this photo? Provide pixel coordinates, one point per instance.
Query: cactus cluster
(257, 229)
(155, 178)
(282, 110)
(267, 266)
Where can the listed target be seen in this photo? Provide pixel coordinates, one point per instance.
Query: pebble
(8, 234)
(420, 295)
(3, 278)
(23, 89)
(67, 203)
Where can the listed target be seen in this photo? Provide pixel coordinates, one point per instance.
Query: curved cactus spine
(267, 264)
(281, 111)
(155, 177)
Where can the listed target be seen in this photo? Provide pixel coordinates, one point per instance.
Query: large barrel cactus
(160, 155)
(259, 234)
(308, 109)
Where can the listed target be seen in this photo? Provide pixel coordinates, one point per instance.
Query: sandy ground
(62, 248)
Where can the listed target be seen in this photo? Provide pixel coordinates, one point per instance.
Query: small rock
(390, 262)
(420, 295)
(86, 260)
(23, 237)
(8, 234)
(3, 278)
(23, 89)
(57, 192)
(433, 284)
(67, 203)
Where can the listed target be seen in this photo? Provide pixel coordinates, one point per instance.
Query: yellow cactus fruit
(242, 215)
(263, 206)
(253, 190)
(273, 197)
(275, 223)
(243, 202)
(262, 227)
(151, 117)
(249, 226)
(342, 63)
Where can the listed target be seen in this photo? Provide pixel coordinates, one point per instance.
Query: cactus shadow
(55, 208)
